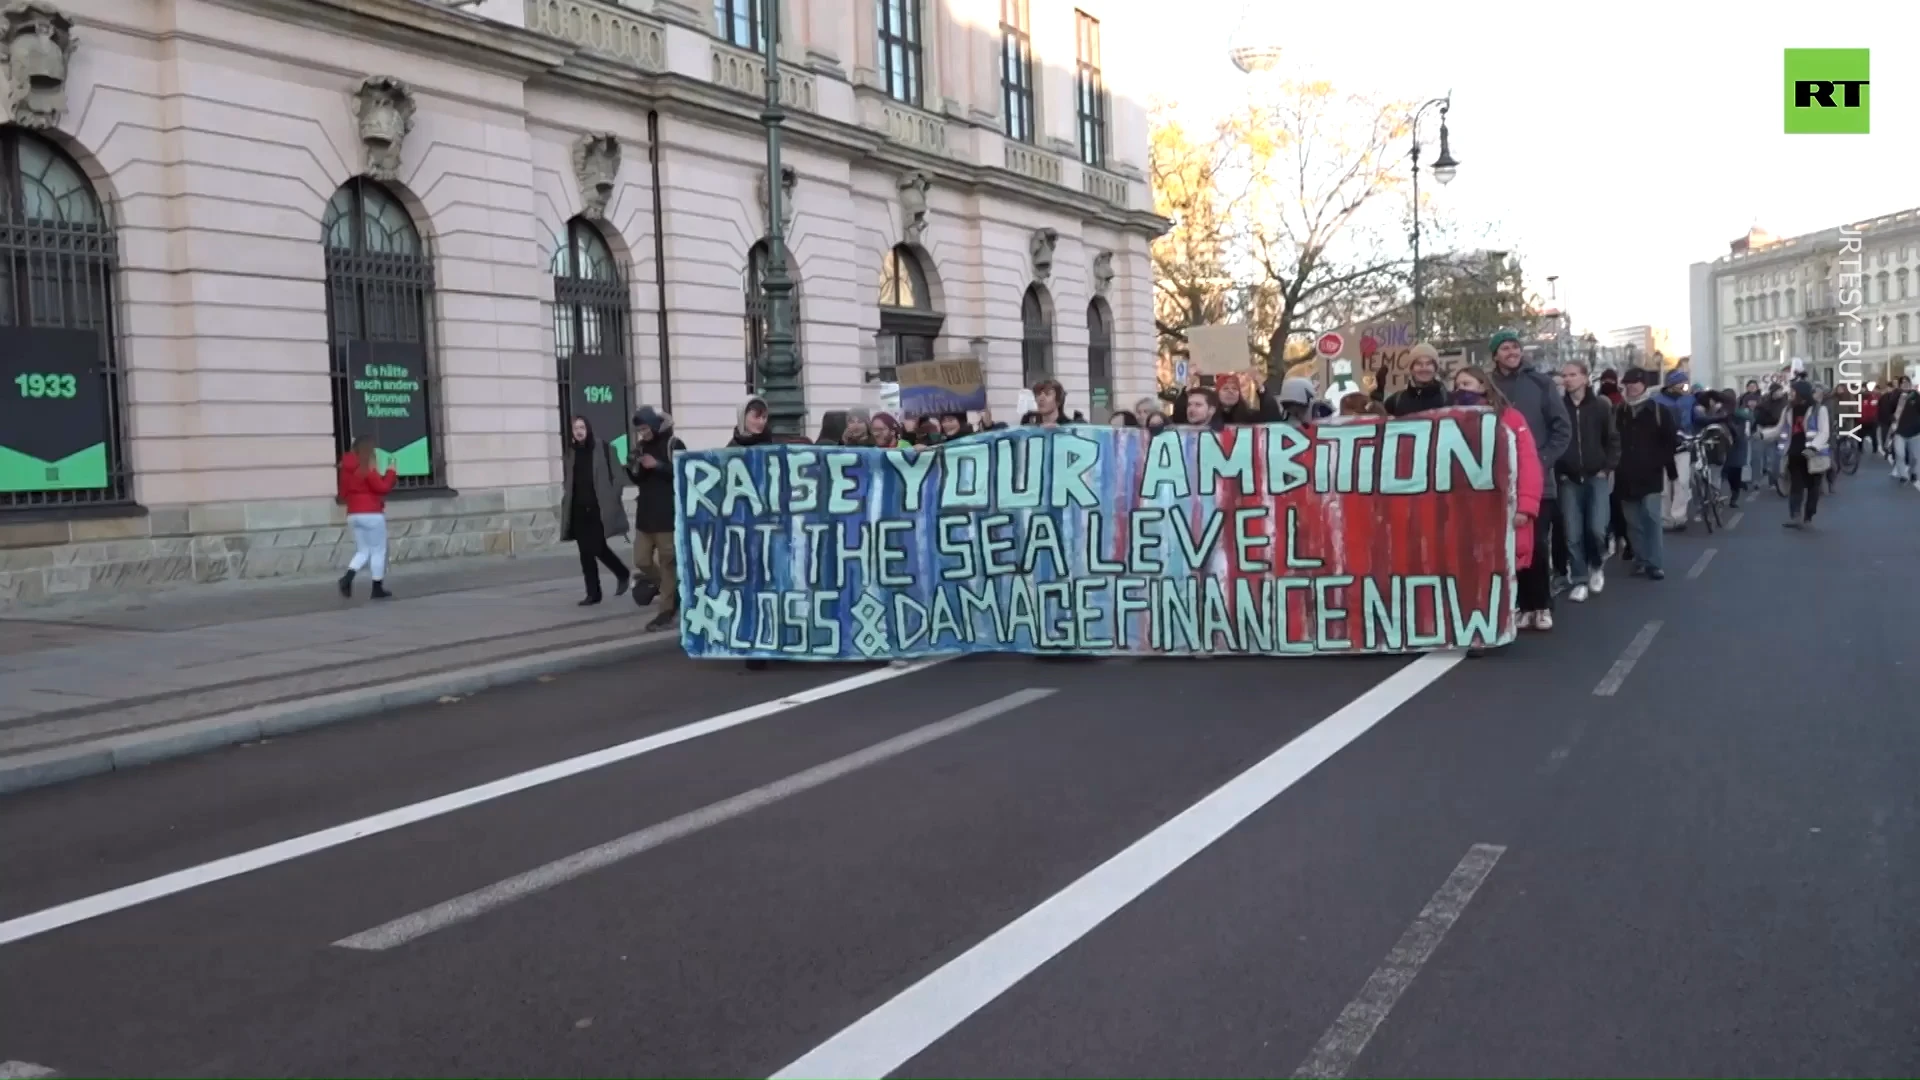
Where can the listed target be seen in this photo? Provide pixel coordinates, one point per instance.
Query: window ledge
(72, 512)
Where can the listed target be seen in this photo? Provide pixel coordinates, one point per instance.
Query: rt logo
(1826, 92)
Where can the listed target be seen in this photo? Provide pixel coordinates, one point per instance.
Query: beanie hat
(1637, 377)
(1676, 377)
(1501, 337)
(647, 416)
(1422, 351)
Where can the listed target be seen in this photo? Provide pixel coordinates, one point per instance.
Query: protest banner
(938, 387)
(1364, 535)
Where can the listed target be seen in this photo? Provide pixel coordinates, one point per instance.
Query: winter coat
(1595, 447)
(1530, 483)
(1649, 437)
(1418, 398)
(364, 492)
(653, 487)
(1540, 402)
(606, 491)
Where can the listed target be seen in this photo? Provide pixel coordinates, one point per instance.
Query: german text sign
(1365, 535)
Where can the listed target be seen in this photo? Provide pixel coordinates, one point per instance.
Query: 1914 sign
(1364, 535)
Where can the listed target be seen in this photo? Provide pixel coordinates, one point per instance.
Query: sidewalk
(103, 684)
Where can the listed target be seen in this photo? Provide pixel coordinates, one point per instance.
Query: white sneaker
(1523, 621)
(1543, 620)
(1597, 581)
(1578, 595)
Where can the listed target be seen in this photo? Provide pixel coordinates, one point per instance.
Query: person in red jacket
(365, 492)
(1474, 387)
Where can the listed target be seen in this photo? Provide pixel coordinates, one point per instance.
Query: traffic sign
(1180, 371)
(1330, 344)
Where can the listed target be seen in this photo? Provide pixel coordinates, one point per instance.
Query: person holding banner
(364, 490)
(590, 509)
(1233, 403)
(1474, 387)
(1049, 405)
(1423, 392)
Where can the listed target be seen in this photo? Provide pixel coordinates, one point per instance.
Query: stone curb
(41, 768)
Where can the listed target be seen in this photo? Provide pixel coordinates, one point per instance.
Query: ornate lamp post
(1444, 168)
(780, 362)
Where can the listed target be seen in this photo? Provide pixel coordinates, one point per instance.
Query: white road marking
(23, 1070)
(1340, 1047)
(246, 862)
(1610, 684)
(1700, 564)
(1734, 521)
(894, 1033)
(480, 901)
(1564, 751)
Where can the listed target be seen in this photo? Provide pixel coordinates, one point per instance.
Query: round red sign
(1330, 344)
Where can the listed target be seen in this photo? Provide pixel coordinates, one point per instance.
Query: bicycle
(1848, 452)
(1709, 452)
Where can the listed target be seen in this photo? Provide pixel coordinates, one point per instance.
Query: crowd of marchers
(1606, 466)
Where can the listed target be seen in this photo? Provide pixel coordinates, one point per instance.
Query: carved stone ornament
(596, 164)
(36, 41)
(383, 110)
(789, 179)
(913, 205)
(1102, 273)
(1041, 248)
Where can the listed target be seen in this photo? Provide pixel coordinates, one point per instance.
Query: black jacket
(1595, 447)
(1905, 423)
(1648, 438)
(1417, 398)
(653, 487)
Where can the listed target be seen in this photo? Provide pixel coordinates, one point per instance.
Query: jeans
(1643, 529)
(653, 556)
(1583, 517)
(1679, 491)
(369, 543)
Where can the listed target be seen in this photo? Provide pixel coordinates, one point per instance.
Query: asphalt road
(1324, 867)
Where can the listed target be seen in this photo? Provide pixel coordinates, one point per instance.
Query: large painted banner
(1365, 535)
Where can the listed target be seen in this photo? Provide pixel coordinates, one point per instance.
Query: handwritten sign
(1366, 535)
(937, 387)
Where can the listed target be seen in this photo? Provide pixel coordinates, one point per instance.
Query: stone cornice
(423, 27)
(538, 59)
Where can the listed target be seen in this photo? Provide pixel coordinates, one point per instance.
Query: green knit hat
(1500, 337)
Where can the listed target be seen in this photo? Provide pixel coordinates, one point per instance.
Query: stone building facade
(1845, 300)
(237, 234)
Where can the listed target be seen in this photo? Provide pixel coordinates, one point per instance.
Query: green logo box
(1826, 92)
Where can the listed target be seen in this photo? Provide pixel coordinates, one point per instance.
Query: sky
(1611, 144)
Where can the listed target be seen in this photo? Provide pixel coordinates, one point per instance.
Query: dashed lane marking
(1700, 565)
(246, 862)
(1340, 1047)
(888, 1037)
(24, 1070)
(1610, 684)
(474, 904)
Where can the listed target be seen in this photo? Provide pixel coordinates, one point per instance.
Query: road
(1676, 836)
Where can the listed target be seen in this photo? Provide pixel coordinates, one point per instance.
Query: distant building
(1769, 300)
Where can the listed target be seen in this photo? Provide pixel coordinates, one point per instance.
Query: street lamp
(1444, 168)
(780, 362)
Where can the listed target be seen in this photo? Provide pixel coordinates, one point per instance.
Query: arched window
(1099, 359)
(1739, 312)
(1900, 279)
(379, 281)
(757, 328)
(1790, 301)
(1036, 335)
(1773, 304)
(1902, 323)
(61, 437)
(590, 335)
(1882, 280)
(909, 325)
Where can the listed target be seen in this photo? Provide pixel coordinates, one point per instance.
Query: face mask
(1468, 397)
